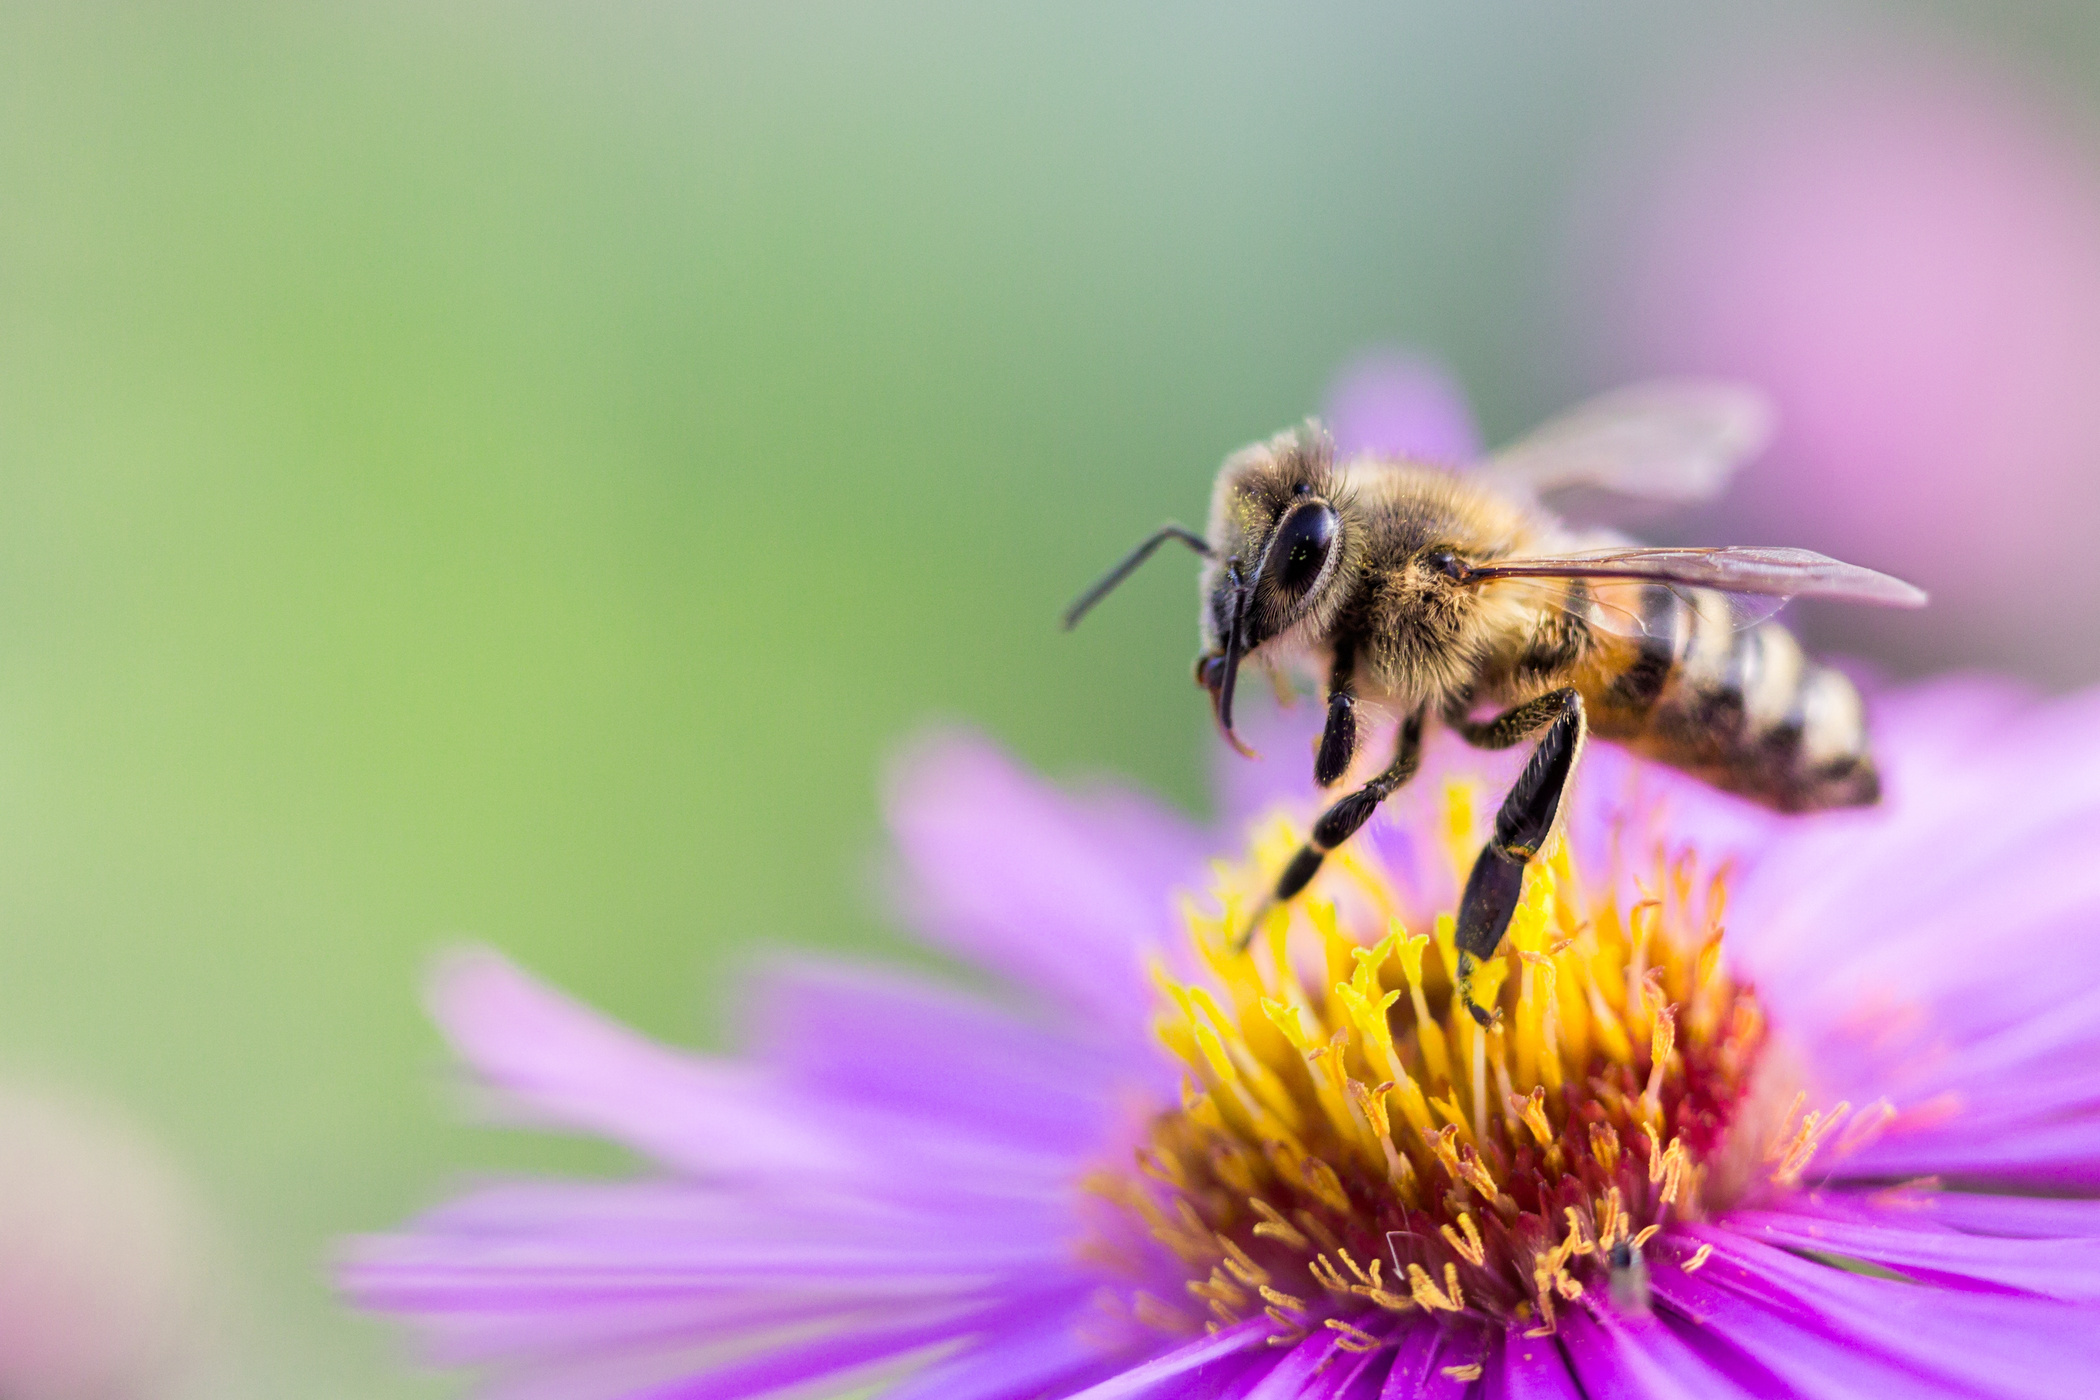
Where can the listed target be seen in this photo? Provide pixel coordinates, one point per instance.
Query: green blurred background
(512, 472)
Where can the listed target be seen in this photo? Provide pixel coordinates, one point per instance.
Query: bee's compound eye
(1443, 561)
(1302, 546)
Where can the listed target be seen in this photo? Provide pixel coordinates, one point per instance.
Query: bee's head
(1284, 542)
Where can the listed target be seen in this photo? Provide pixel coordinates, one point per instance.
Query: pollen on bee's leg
(1345, 1099)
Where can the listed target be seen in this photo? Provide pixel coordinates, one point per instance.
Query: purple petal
(1401, 405)
(2051, 1156)
(564, 1065)
(1530, 1368)
(2068, 1270)
(1318, 1368)
(1025, 1361)
(903, 1045)
(835, 1358)
(1429, 1350)
(1290, 1377)
(2018, 1217)
(1782, 1339)
(1617, 1358)
(1775, 1306)
(1212, 1367)
(558, 1063)
(1023, 880)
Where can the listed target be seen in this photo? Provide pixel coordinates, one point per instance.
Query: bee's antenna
(1169, 531)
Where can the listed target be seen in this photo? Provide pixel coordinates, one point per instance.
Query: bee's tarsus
(1486, 1017)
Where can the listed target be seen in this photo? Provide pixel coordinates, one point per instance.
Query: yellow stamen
(1280, 1299)
(1344, 1112)
(1352, 1338)
(1468, 1248)
(1447, 1299)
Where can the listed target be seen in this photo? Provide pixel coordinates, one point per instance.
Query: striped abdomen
(1742, 708)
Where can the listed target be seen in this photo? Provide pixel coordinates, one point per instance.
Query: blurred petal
(557, 1063)
(1217, 1366)
(1401, 405)
(568, 1066)
(1020, 878)
(820, 1024)
(104, 1284)
(1022, 1362)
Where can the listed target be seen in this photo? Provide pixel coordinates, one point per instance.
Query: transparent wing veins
(1770, 572)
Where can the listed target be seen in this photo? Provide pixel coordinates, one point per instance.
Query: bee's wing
(1672, 440)
(1739, 569)
(1625, 607)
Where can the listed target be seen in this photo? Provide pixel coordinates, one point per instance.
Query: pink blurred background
(1904, 248)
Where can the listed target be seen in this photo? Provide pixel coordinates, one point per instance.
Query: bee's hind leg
(1339, 822)
(1524, 824)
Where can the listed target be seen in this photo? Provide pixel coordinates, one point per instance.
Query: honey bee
(1439, 594)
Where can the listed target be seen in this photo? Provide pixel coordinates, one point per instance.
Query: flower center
(1349, 1141)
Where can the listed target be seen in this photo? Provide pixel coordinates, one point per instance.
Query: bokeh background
(513, 472)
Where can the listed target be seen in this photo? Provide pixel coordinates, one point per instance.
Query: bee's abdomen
(1746, 710)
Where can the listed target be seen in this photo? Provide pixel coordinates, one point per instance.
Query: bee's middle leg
(1341, 821)
(1524, 824)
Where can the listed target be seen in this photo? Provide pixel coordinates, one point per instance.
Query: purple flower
(1852, 1147)
(1148, 1168)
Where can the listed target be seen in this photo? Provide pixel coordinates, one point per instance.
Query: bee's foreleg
(1339, 822)
(1524, 824)
(1338, 739)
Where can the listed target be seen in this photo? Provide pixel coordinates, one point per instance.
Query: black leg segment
(1341, 821)
(1338, 739)
(1524, 824)
(1516, 724)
